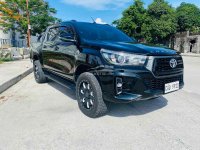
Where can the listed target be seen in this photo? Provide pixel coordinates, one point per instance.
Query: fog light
(119, 85)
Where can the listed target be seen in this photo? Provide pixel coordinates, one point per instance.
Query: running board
(60, 80)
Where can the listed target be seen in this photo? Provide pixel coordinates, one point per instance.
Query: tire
(89, 95)
(38, 72)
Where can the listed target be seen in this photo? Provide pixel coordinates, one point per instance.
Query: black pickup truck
(105, 64)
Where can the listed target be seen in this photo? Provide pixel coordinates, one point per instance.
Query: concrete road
(46, 117)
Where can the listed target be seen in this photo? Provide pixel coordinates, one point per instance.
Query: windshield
(101, 32)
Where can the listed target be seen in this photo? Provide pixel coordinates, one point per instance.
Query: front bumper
(137, 85)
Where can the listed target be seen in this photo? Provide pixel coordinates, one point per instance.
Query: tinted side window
(52, 34)
(66, 31)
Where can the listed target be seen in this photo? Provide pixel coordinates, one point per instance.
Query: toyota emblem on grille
(173, 63)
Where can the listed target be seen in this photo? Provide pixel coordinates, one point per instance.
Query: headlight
(121, 58)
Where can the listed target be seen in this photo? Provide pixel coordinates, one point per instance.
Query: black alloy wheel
(86, 94)
(89, 95)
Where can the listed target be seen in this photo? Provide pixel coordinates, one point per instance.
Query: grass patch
(2, 60)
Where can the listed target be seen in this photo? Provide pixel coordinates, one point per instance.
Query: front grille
(158, 84)
(162, 66)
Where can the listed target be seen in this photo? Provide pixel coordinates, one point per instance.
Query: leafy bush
(5, 60)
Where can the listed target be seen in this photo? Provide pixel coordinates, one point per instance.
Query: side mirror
(40, 37)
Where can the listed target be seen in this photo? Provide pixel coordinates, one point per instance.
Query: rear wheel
(89, 95)
(38, 72)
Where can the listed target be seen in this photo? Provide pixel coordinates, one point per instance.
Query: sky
(103, 11)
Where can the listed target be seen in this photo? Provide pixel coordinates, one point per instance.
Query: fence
(6, 43)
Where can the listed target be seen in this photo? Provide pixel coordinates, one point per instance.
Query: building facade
(9, 39)
(187, 42)
(5, 38)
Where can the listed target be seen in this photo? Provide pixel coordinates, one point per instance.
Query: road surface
(46, 117)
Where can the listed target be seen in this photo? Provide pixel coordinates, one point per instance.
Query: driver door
(65, 46)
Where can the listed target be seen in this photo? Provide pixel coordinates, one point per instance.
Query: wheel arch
(81, 69)
(85, 68)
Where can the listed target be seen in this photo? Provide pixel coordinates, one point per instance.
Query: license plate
(170, 87)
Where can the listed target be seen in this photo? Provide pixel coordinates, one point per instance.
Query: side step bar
(60, 80)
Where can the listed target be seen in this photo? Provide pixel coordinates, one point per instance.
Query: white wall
(5, 38)
(5, 35)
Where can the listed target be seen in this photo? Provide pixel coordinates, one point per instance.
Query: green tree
(133, 17)
(14, 15)
(160, 23)
(188, 16)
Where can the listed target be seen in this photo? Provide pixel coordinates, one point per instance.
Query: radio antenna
(93, 20)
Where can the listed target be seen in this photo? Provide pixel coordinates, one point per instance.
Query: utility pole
(29, 26)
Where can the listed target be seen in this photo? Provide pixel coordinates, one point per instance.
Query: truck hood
(138, 48)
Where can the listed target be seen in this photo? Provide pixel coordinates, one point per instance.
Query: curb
(14, 80)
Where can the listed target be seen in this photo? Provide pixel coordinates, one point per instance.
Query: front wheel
(38, 72)
(89, 95)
